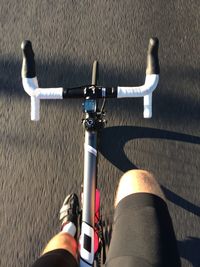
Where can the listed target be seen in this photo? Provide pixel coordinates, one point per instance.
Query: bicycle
(91, 238)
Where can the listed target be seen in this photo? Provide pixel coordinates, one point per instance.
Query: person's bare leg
(62, 241)
(142, 229)
(137, 181)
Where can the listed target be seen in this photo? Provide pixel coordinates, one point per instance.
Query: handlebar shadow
(188, 250)
(116, 137)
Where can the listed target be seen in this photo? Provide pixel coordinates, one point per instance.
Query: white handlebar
(30, 82)
(145, 91)
(31, 87)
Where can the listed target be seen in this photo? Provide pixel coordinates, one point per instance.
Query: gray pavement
(42, 162)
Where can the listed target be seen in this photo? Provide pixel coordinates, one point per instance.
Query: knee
(66, 240)
(62, 241)
(138, 178)
(137, 181)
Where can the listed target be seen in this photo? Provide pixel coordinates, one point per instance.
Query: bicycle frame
(87, 238)
(87, 241)
(92, 122)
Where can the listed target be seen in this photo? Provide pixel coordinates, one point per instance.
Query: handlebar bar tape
(152, 57)
(28, 65)
(30, 83)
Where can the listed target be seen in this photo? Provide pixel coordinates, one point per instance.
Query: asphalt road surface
(42, 162)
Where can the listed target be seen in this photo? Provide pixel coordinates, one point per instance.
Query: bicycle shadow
(116, 137)
(188, 250)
